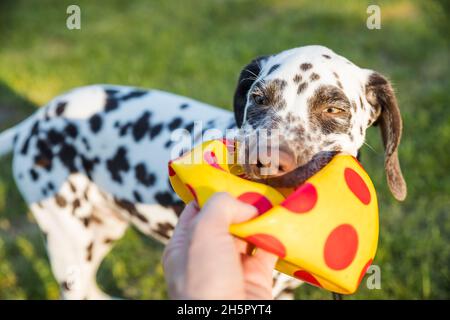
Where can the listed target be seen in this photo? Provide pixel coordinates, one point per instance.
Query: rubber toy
(325, 232)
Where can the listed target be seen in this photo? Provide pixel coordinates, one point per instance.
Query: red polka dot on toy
(194, 194)
(357, 185)
(257, 200)
(364, 270)
(268, 243)
(341, 247)
(302, 200)
(307, 277)
(211, 159)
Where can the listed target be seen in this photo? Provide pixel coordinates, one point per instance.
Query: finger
(174, 258)
(266, 258)
(180, 237)
(260, 264)
(241, 245)
(223, 210)
(258, 268)
(189, 212)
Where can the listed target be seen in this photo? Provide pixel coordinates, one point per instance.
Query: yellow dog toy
(325, 232)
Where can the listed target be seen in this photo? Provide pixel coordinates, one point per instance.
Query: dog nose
(280, 162)
(287, 161)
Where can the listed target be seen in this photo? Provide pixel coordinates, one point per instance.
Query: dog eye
(258, 98)
(333, 110)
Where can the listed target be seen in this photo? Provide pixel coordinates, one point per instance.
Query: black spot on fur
(86, 194)
(89, 165)
(178, 207)
(168, 144)
(144, 177)
(108, 240)
(155, 130)
(75, 205)
(137, 196)
(326, 56)
(95, 123)
(302, 87)
(60, 107)
(89, 250)
(60, 201)
(189, 127)
(124, 129)
(111, 92)
(86, 143)
(273, 68)
(67, 155)
(71, 130)
(45, 155)
(305, 66)
(175, 123)
(33, 132)
(297, 78)
(117, 164)
(184, 106)
(72, 187)
(130, 208)
(65, 286)
(51, 186)
(164, 198)
(134, 94)
(54, 137)
(164, 229)
(86, 221)
(314, 76)
(111, 104)
(34, 175)
(141, 126)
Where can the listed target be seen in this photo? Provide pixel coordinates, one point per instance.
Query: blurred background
(197, 48)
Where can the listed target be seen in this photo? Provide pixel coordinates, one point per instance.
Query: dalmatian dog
(94, 160)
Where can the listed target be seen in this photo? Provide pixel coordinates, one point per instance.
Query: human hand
(204, 261)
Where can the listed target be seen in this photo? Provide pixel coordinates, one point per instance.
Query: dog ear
(386, 113)
(248, 75)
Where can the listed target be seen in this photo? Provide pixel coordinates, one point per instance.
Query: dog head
(320, 104)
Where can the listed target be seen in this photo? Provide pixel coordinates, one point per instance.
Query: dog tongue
(300, 174)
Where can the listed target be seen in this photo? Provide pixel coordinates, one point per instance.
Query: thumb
(222, 210)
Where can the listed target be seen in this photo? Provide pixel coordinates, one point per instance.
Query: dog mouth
(299, 175)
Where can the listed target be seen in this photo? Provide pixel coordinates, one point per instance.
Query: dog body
(95, 159)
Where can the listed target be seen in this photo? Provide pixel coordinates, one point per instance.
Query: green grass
(196, 48)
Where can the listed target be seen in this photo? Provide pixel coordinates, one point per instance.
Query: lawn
(197, 48)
